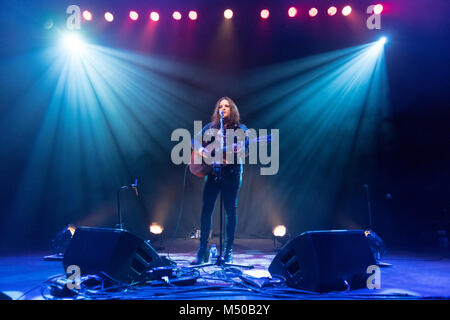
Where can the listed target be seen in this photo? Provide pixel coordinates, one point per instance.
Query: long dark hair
(232, 120)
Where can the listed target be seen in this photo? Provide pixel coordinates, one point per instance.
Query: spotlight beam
(330, 105)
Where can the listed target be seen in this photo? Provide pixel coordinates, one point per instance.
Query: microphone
(222, 113)
(134, 186)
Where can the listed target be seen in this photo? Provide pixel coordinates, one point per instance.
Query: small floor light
(156, 236)
(280, 236)
(61, 242)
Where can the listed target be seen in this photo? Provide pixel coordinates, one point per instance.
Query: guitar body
(199, 170)
(202, 170)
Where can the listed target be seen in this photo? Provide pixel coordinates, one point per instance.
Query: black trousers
(229, 185)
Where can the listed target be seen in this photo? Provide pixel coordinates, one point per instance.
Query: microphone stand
(220, 260)
(378, 243)
(369, 206)
(131, 186)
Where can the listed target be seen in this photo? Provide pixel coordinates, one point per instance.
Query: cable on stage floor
(221, 282)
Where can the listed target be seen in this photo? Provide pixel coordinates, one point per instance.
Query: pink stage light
(193, 15)
(265, 13)
(176, 15)
(346, 10)
(154, 16)
(133, 15)
(292, 12)
(378, 9)
(87, 15)
(109, 16)
(313, 12)
(332, 11)
(228, 14)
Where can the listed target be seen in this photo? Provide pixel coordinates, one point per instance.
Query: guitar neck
(251, 141)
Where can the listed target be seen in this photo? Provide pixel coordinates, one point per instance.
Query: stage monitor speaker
(4, 296)
(324, 261)
(118, 253)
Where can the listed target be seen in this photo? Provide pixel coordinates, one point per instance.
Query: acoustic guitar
(203, 169)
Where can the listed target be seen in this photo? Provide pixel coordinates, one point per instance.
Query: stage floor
(415, 274)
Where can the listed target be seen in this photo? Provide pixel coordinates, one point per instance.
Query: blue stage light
(73, 42)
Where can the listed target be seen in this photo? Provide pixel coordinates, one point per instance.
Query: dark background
(411, 161)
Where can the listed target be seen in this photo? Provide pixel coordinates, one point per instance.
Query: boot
(202, 255)
(228, 255)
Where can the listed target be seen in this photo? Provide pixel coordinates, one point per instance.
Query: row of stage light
(279, 233)
(228, 13)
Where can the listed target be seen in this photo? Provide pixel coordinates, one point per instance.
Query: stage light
(332, 11)
(376, 244)
(265, 13)
(156, 236)
(346, 10)
(87, 15)
(313, 12)
(193, 15)
(156, 228)
(109, 16)
(73, 43)
(228, 14)
(378, 45)
(176, 15)
(154, 16)
(71, 229)
(292, 12)
(279, 231)
(378, 9)
(61, 242)
(133, 15)
(279, 235)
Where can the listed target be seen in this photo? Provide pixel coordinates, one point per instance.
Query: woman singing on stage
(229, 184)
